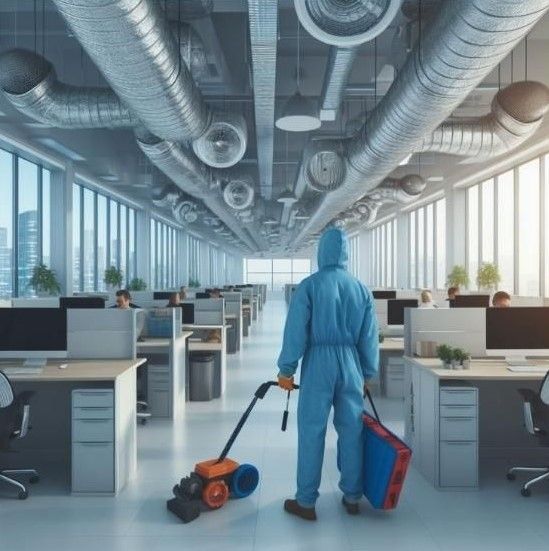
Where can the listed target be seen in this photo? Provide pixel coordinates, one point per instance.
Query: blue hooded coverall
(332, 325)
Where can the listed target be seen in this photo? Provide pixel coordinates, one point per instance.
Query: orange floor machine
(214, 481)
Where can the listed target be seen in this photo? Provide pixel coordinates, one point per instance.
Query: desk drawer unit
(394, 378)
(458, 437)
(158, 390)
(92, 467)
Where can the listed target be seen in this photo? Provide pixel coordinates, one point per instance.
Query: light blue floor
(494, 518)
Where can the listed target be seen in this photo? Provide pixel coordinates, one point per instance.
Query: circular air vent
(185, 212)
(224, 142)
(325, 168)
(239, 194)
(346, 23)
(164, 196)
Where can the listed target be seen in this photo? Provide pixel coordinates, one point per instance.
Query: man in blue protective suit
(332, 325)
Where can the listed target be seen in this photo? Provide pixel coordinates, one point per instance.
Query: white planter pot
(466, 364)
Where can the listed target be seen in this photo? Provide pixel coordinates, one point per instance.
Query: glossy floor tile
(493, 518)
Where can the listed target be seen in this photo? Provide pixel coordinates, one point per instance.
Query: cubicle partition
(233, 311)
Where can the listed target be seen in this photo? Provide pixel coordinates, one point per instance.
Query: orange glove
(285, 383)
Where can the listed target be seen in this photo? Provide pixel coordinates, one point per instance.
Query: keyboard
(23, 370)
(528, 368)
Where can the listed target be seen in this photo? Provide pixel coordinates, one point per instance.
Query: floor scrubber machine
(214, 481)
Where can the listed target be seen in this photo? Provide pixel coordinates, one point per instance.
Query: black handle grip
(284, 421)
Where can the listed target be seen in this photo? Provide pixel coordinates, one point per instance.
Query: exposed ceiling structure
(174, 104)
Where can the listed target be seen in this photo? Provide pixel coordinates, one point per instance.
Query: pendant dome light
(300, 114)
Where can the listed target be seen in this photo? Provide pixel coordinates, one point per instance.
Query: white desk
(83, 416)
(219, 348)
(456, 418)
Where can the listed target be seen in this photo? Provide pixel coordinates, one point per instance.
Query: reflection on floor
(494, 518)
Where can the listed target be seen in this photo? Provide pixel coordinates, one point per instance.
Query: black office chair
(14, 423)
(536, 420)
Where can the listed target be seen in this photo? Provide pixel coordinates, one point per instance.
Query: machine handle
(284, 421)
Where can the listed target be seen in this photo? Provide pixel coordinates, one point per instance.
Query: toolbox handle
(367, 394)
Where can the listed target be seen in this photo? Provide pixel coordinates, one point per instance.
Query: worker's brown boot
(294, 508)
(351, 508)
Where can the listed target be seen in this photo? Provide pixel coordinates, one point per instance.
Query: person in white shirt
(427, 300)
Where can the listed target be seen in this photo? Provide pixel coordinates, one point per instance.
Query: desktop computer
(470, 301)
(81, 302)
(33, 334)
(395, 310)
(384, 294)
(516, 333)
(202, 295)
(163, 295)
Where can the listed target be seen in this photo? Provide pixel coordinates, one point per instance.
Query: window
(102, 229)
(412, 229)
(487, 221)
(46, 216)
(163, 253)
(440, 243)
(420, 254)
(473, 229)
(6, 224)
(275, 273)
(529, 228)
(354, 266)
(194, 259)
(505, 230)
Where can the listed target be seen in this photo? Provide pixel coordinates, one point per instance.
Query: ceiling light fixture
(287, 197)
(300, 114)
(405, 161)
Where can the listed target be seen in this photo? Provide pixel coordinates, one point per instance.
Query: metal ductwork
(132, 44)
(30, 83)
(345, 26)
(263, 22)
(402, 191)
(185, 212)
(324, 169)
(517, 112)
(195, 9)
(239, 193)
(459, 49)
(192, 177)
(165, 196)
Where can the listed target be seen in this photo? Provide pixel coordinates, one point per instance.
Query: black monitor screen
(470, 301)
(162, 295)
(395, 310)
(202, 295)
(81, 302)
(384, 294)
(188, 312)
(517, 328)
(33, 329)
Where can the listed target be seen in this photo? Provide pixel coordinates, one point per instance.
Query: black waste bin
(202, 377)
(231, 336)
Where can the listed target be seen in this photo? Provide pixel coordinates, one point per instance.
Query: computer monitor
(81, 302)
(163, 295)
(395, 310)
(202, 295)
(384, 294)
(470, 301)
(517, 332)
(188, 312)
(33, 333)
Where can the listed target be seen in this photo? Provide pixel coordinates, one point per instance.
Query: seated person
(426, 300)
(182, 292)
(123, 300)
(501, 299)
(174, 301)
(215, 293)
(452, 293)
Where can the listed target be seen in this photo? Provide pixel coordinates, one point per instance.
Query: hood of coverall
(333, 249)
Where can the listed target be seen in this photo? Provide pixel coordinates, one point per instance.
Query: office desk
(166, 373)
(455, 419)
(218, 348)
(83, 417)
(391, 367)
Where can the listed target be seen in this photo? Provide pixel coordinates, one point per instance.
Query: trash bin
(202, 383)
(231, 337)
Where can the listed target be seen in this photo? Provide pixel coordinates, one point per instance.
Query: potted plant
(137, 284)
(44, 281)
(444, 353)
(488, 276)
(113, 277)
(193, 283)
(458, 277)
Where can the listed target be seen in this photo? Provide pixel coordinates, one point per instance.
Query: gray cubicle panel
(460, 327)
(101, 333)
(209, 311)
(381, 306)
(46, 302)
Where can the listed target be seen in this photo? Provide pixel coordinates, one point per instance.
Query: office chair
(536, 419)
(14, 424)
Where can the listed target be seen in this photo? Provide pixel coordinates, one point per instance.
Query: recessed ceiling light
(435, 179)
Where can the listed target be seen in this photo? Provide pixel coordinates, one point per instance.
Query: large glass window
(429, 247)
(76, 234)
(354, 260)
(421, 248)
(163, 254)
(89, 266)
(487, 220)
(413, 262)
(102, 241)
(6, 224)
(473, 229)
(440, 243)
(505, 230)
(275, 273)
(46, 216)
(194, 259)
(529, 228)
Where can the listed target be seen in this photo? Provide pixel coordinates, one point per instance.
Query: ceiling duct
(517, 112)
(402, 191)
(224, 142)
(459, 49)
(132, 45)
(192, 177)
(195, 9)
(30, 83)
(263, 23)
(324, 169)
(345, 26)
(165, 196)
(185, 212)
(239, 193)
